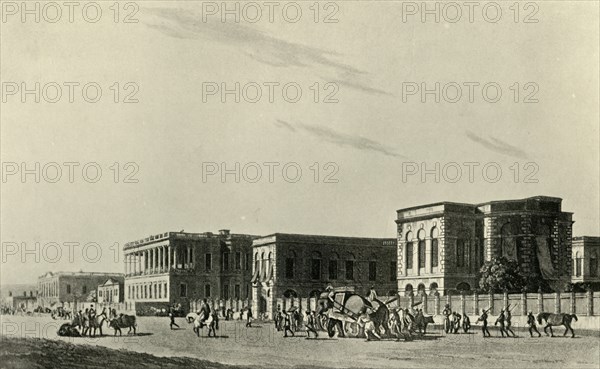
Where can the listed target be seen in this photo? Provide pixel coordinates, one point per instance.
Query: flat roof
(538, 197)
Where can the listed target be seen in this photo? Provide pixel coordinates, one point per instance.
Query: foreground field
(262, 346)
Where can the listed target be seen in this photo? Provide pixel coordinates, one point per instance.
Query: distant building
(442, 246)
(68, 288)
(297, 265)
(112, 291)
(23, 303)
(585, 253)
(178, 268)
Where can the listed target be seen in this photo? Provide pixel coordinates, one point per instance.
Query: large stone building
(112, 291)
(69, 288)
(178, 268)
(586, 269)
(296, 265)
(442, 246)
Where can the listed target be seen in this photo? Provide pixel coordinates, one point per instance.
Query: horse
(556, 320)
(123, 321)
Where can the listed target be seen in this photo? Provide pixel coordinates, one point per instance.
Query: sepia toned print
(302, 184)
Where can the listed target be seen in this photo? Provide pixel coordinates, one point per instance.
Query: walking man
(501, 319)
(310, 324)
(457, 318)
(483, 319)
(466, 323)
(446, 313)
(249, 318)
(287, 324)
(508, 323)
(172, 317)
(366, 323)
(531, 324)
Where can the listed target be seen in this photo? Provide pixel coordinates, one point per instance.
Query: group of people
(504, 323)
(452, 321)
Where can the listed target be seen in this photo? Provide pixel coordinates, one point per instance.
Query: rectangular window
(207, 290)
(100, 293)
(333, 269)
(593, 267)
(578, 267)
(393, 270)
(225, 261)
(315, 269)
(84, 289)
(145, 291)
(434, 252)
(289, 268)
(226, 291)
(159, 291)
(409, 255)
(208, 261)
(247, 291)
(236, 291)
(150, 288)
(183, 290)
(248, 261)
(238, 260)
(350, 270)
(421, 254)
(372, 270)
(460, 253)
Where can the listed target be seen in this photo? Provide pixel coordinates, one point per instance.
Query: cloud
(497, 145)
(259, 46)
(340, 139)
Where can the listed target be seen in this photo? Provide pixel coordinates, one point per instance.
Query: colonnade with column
(159, 259)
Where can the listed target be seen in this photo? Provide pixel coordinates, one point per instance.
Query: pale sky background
(369, 53)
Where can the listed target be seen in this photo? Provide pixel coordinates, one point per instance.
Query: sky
(331, 113)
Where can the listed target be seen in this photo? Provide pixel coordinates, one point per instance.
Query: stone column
(491, 303)
(557, 302)
(449, 300)
(164, 257)
(437, 304)
(540, 302)
(428, 268)
(462, 303)
(590, 303)
(169, 258)
(505, 300)
(524, 303)
(174, 257)
(424, 303)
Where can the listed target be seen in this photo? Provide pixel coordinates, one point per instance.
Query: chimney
(224, 232)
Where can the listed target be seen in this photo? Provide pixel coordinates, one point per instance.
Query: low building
(297, 265)
(112, 291)
(442, 246)
(23, 302)
(179, 268)
(69, 288)
(586, 269)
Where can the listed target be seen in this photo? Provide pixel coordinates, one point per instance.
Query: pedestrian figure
(466, 323)
(368, 326)
(310, 324)
(212, 327)
(457, 318)
(531, 324)
(172, 317)
(501, 319)
(508, 323)
(249, 318)
(372, 294)
(287, 324)
(483, 319)
(446, 313)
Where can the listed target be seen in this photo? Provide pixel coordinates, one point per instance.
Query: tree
(501, 275)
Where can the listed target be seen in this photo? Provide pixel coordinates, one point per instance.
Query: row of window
(226, 261)
(333, 269)
(578, 266)
(159, 290)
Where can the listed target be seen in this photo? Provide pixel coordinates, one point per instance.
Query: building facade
(586, 269)
(112, 291)
(442, 246)
(69, 288)
(295, 265)
(177, 268)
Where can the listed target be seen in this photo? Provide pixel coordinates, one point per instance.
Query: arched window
(409, 251)
(315, 266)
(373, 268)
(421, 248)
(507, 242)
(594, 264)
(434, 247)
(290, 293)
(463, 287)
(315, 293)
(408, 290)
(433, 288)
(421, 289)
